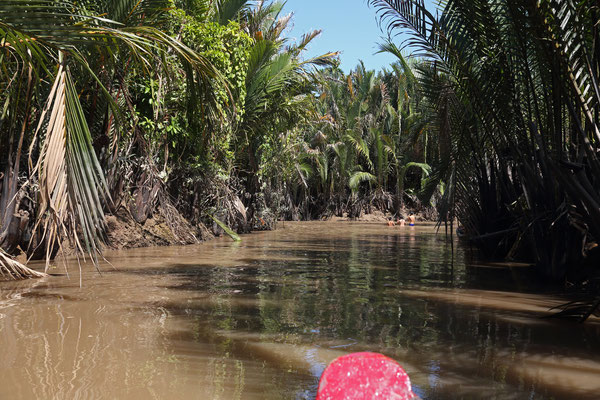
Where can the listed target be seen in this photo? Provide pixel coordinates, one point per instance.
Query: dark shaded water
(262, 318)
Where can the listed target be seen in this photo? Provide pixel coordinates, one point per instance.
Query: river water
(261, 319)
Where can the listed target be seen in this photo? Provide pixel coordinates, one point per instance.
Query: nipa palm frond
(15, 270)
(359, 177)
(71, 179)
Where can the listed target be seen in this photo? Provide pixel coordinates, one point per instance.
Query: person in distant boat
(412, 219)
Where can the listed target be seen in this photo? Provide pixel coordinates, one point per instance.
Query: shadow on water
(305, 301)
(262, 319)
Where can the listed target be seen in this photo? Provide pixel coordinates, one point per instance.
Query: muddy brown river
(261, 319)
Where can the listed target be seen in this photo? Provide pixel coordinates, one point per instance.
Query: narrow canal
(261, 319)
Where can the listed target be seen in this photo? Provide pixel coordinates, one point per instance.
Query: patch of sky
(349, 26)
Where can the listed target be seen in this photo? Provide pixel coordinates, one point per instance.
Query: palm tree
(48, 46)
(514, 83)
(278, 84)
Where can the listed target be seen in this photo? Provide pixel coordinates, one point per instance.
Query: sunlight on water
(261, 319)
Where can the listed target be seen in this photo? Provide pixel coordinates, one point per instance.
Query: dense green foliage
(514, 86)
(191, 111)
(357, 150)
(63, 78)
(227, 48)
(198, 111)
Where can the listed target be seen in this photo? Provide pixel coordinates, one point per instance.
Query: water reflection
(262, 319)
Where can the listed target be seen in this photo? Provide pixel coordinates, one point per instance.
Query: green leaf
(227, 230)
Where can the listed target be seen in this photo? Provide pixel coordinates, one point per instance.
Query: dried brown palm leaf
(72, 184)
(15, 270)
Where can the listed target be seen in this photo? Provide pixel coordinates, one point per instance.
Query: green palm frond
(359, 177)
(362, 148)
(234, 236)
(322, 60)
(390, 47)
(53, 39)
(567, 20)
(305, 171)
(230, 10)
(322, 162)
(305, 40)
(426, 168)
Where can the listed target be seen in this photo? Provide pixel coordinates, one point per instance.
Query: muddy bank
(124, 232)
(170, 228)
(380, 216)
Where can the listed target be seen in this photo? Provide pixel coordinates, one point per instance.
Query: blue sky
(349, 26)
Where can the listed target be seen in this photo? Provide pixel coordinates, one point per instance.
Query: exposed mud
(125, 233)
(379, 216)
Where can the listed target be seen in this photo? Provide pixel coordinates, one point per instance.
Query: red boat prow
(364, 376)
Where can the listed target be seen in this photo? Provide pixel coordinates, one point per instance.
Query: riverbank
(126, 233)
(379, 216)
(166, 225)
